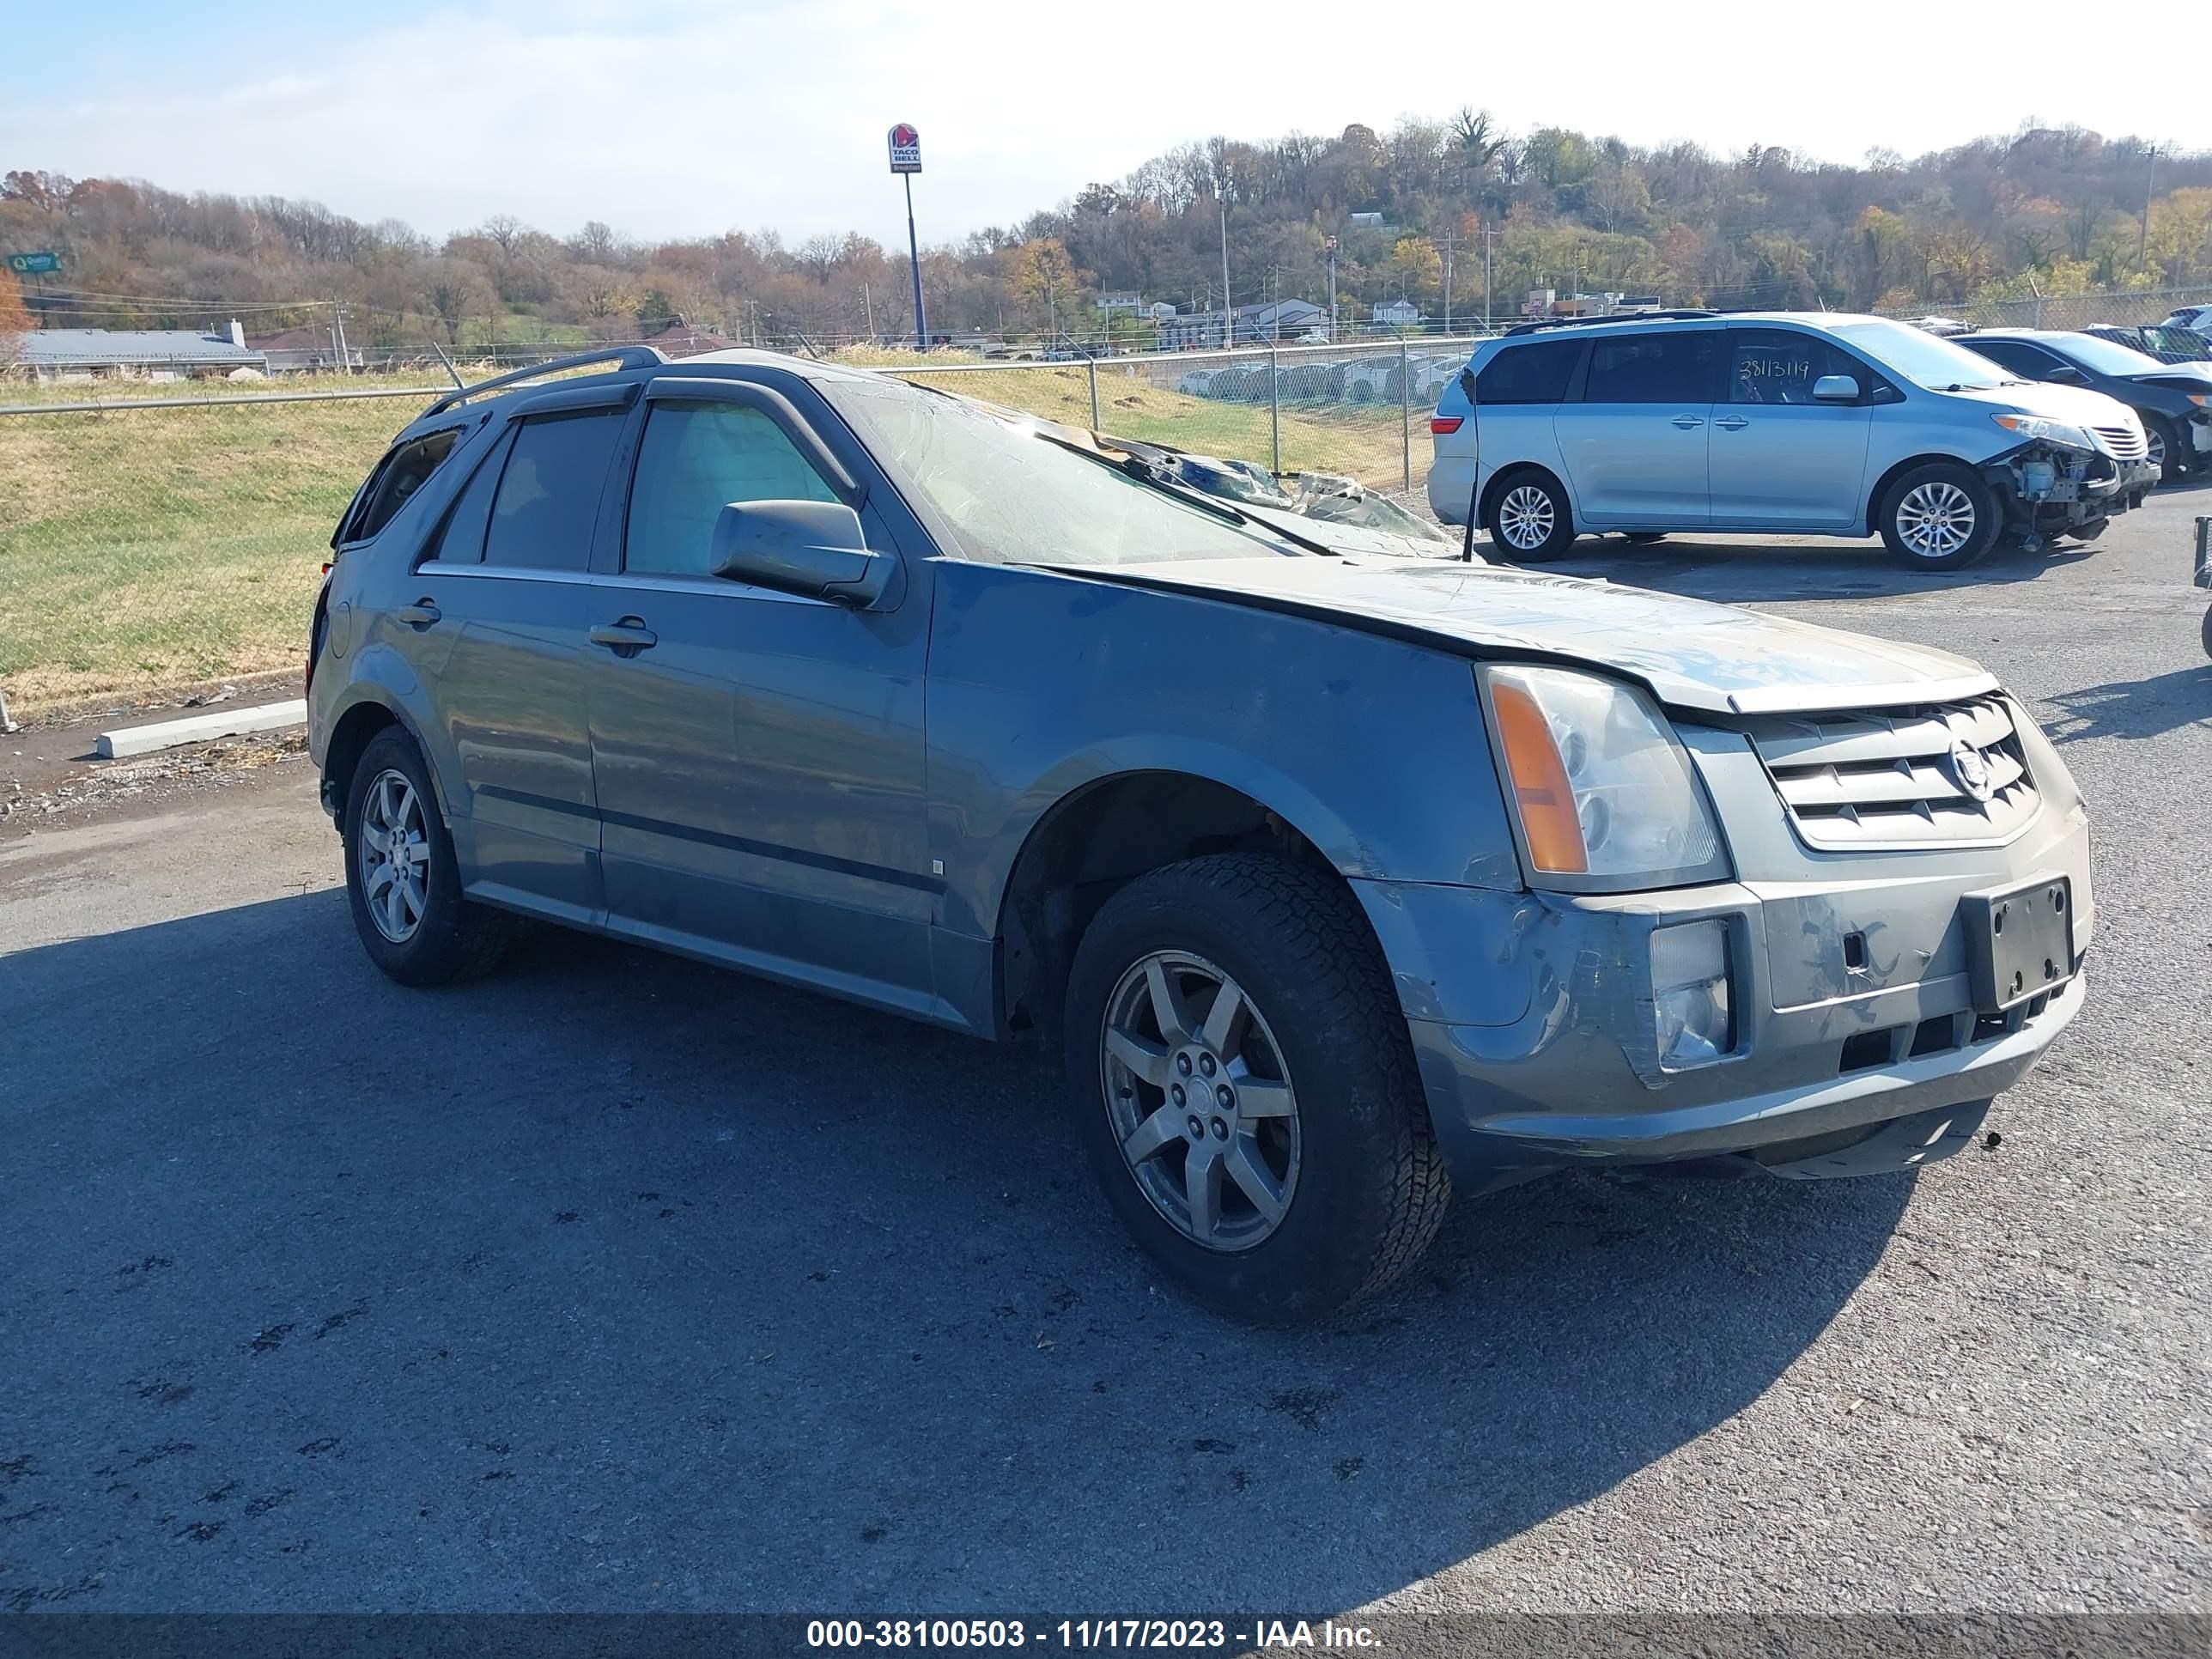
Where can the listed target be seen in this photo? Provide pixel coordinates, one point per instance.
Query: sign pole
(914, 254)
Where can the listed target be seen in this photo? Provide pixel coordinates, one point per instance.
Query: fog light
(1690, 1003)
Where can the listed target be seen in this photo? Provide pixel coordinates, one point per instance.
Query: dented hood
(1692, 655)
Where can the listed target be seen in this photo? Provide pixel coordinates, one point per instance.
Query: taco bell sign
(906, 148)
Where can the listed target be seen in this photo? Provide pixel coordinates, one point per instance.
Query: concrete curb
(199, 728)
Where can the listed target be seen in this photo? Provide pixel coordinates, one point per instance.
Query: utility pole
(1489, 236)
(337, 329)
(868, 310)
(1228, 317)
(1329, 243)
(1451, 241)
(2143, 242)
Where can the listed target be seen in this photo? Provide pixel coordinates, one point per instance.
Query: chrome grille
(2123, 443)
(1898, 777)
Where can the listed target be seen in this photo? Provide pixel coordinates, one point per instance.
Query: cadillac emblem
(1972, 770)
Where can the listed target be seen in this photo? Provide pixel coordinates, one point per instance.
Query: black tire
(2205, 631)
(1644, 537)
(1369, 1189)
(450, 938)
(1505, 500)
(2160, 431)
(1939, 479)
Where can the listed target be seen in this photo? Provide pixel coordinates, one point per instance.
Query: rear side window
(695, 460)
(1536, 374)
(1675, 367)
(462, 539)
(549, 494)
(393, 484)
(1778, 365)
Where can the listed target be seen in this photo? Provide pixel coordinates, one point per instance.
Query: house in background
(1285, 319)
(305, 350)
(1398, 314)
(88, 354)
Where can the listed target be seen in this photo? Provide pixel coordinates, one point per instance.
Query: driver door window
(694, 460)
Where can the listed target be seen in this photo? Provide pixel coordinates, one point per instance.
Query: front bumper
(1532, 1016)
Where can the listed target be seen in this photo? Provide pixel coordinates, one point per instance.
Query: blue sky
(688, 116)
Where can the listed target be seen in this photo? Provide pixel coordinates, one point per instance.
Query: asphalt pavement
(616, 1283)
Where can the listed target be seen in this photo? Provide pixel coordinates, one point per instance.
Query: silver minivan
(1778, 423)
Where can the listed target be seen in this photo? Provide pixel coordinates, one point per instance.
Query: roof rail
(629, 356)
(1617, 317)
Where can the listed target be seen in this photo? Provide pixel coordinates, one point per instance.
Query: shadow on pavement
(1747, 571)
(613, 1282)
(2133, 708)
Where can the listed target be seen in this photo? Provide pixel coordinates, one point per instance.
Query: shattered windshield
(1014, 494)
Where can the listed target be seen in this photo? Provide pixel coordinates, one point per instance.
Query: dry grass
(150, 548)
(159, 546)
(1363, 440)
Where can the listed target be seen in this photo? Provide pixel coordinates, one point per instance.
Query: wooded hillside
(2062, 208)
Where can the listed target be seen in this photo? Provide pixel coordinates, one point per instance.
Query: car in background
(1778, 423)
(2198, 318)
(2168, 343)
(1343, 880)
(2174, 403)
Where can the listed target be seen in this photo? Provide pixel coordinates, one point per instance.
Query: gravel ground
(615, 1283)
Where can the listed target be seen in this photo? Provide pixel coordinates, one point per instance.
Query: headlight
(1600, 786)
(2039, 429)
(2202, 399)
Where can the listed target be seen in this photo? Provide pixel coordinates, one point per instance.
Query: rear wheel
(401, 878)
(1529, 521)
(1940, 517)
(1246, 1089)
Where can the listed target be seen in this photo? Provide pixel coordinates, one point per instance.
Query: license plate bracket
(2020, 941)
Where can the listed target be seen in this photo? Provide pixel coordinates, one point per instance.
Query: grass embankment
(156, 547)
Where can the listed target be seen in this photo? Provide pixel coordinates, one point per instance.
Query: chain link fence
(1359, 410)
(2125, 307)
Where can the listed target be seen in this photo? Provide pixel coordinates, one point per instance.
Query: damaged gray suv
(1345, 877)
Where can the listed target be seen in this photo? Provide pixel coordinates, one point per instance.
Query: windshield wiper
(1145, 473)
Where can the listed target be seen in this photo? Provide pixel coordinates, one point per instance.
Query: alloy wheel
(1199, 1100)
(393, 847)
(1525, 518)
(1935, 519)
(2157, 453)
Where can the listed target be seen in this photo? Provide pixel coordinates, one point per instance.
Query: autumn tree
(15, 321)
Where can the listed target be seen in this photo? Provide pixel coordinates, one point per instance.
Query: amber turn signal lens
(1540, 789)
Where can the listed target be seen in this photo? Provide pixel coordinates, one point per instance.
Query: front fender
(1041, 683)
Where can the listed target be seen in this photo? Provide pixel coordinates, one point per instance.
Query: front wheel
(2165, 446)
(1246, 1090)
(1940, 517)
(1530, 520)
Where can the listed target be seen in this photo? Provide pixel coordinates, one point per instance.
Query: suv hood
(1716, 658)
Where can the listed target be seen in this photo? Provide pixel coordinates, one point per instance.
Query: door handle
(1732, 423)
(421, 614)
(625, 638)
(1689, 423)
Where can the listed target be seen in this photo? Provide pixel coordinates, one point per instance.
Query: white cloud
(706, 115)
